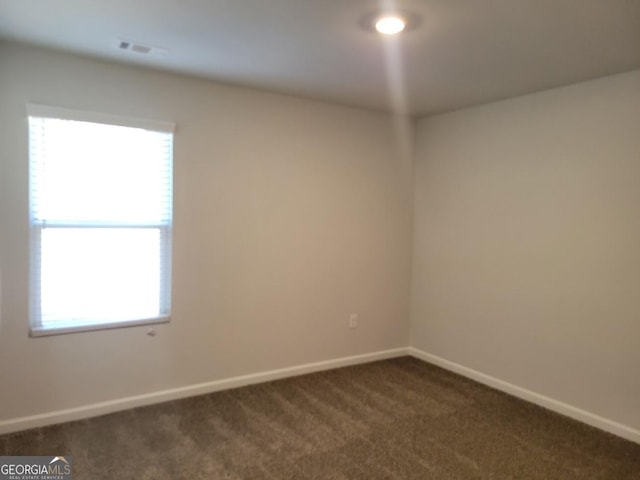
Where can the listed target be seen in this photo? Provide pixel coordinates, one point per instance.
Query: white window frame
(37, 329)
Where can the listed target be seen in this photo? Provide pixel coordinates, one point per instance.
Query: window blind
(101, 220)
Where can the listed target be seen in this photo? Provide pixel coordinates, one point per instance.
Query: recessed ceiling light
(390, 24)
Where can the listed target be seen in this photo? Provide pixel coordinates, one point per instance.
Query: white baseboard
(102, 408)
(562, 408)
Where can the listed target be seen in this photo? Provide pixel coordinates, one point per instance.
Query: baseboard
(103, 408)
(562, 408)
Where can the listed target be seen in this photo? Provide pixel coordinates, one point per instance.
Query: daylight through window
(101, 220)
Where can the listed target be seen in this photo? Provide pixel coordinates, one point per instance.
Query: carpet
(393, 419)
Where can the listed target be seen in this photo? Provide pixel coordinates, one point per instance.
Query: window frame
(36, 327)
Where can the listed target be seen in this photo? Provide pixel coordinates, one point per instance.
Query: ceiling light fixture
(390, 24)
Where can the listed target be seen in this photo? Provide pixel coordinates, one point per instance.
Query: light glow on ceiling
(390, 24)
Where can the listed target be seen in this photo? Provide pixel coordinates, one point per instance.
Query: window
(101, 220)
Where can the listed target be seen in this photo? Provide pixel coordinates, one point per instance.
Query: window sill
(48, 331)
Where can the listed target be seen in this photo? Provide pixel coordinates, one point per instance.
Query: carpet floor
(394, 419)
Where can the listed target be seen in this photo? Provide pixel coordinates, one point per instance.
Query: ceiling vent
(139, 48)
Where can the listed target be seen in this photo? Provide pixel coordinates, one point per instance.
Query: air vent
(139, 48)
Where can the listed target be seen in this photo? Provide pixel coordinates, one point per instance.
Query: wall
(526, 243)
(289, 215)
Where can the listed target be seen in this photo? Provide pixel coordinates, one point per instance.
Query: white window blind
(101, 220)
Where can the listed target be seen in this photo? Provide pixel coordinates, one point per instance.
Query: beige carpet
(396, 419)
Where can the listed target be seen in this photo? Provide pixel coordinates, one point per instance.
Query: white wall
(527, 243)
(289, 215)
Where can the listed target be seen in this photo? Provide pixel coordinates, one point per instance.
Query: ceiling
(460, 53)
